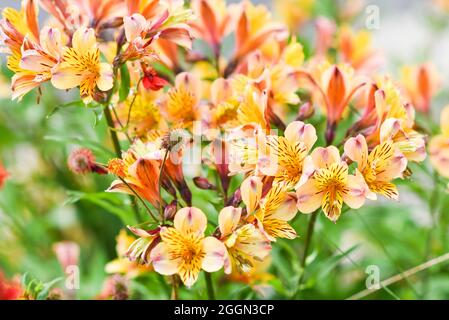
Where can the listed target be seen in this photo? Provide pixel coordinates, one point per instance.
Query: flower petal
(190, 220)
(228, 219)
(162, 263)
(309, 197)
(251, 192)
(215, 254)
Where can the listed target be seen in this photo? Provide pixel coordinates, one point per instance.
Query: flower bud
(203, 183)
(170, 210)
(305, 111)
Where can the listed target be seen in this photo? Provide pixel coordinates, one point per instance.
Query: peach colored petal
(215, 254)
(357, 150)
(299, 131)
(190, 220)
(228, 219)
(251, 191)
(162, 263)
(309, 197)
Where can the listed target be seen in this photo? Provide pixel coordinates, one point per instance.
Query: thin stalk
(308, 241)
(433, 209)
(113, 133)
(174, 292)
(141, 200)
(161, 210)
(209, 285)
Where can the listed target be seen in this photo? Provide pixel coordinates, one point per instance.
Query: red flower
(9, 290)
(152, 81)
(3, 175)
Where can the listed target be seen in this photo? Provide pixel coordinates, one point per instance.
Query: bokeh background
(43, 202)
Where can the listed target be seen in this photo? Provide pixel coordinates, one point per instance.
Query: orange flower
(138, 174)
(421, 83)
(336, 90)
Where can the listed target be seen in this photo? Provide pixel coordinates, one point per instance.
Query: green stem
(308, 241)
(433, 208)
(209, 285)
(118, 152)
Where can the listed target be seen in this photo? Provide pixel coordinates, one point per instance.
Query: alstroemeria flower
(137, 174)
(408, 141)
(130, 267)
(439, 146)
(81, 66)
(213, 22)
(328, 184)
(244, 242)
(379, 167)
(182, 105)
(185, 250)
(421, 83)
(356, 49)
(287, 153)
(33, 54)
(254, 28)
(271, 212)
(336, 90)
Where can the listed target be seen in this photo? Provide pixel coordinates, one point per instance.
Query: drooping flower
(185, 250)
(421, 83)
(328, 184)
(439, 146)
(379, 167)
(244, 242)
(82, 161)
(81, 66)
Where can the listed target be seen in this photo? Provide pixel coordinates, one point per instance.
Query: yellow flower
(140, 113)
(287, 153)
(439, 146)
(294, 12)
(327, 184)
(382, 165)
(272, 212)
(81, 66)
(243, 241)
(184, 250)
(182, 105)
(356, 49)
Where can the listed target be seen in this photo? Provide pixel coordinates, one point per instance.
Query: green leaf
(78, 103)
(125, 83)
(108, 201)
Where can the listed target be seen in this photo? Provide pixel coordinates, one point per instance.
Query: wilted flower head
(82, 161)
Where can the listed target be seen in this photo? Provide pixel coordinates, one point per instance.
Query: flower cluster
(299, 133)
